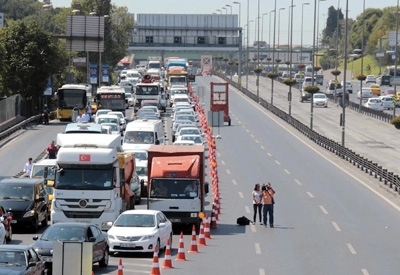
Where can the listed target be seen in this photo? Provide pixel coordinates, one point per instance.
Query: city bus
(71, 96)
(111, 97)
(388, 77)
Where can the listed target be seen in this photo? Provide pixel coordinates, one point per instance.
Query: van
(299, 77)
(140, 134)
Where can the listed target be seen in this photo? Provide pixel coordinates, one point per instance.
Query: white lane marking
(252, 135)
(241, 195)
(227, 171)
(258, 248)
(262, 147)
(253, 228)
(277, 162)
(247, 209)
(261, 271)
(309, 194)
(364, 271)
(336, 226)
(269, 154)
(223, 162)
(247, 130)
(286, 171)
(257, 141)
(218, 154)
(298, 182)
(323, 210)
(351, 248)
(234, 182)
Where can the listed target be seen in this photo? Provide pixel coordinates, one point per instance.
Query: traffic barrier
(202, 239)
(167, 257)
(120, 268)
(155, 270)
(181, 252)
(207, 233)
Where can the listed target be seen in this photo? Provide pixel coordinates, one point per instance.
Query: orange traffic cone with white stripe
(193, 243)
(120, 268)
(202, 239)
(181, 252)
(213, 223)
(207, 233)
(155, 270)
(167, 258)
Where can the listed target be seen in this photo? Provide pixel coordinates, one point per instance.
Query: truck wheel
(229, 122)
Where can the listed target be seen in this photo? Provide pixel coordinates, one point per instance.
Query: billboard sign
(206, 64)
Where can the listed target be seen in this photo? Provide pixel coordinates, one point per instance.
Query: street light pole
(396, 52)
(290, 59)
(226, 10)
(301, 43)
(229, 7)
(362, 58)
(273, 57)
(269, 31)
(247, 45)
(316, 57)
(240, 48)
(220, 11)
(279, 26)
(262, 26)
(345, 69)
(313, 58)
(240, 10)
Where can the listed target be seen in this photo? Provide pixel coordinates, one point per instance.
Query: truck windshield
(176, 80)
(147, 90)
(174, 188)
(139, 137)
(84, 179)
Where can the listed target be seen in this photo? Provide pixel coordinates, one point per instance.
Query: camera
(263, 188)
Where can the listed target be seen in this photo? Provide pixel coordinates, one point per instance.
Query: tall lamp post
(279, 25)
(316, 57)
(362, 57)
(301, 43)
(313, 57)
(345, 69)
(273, 57)
(269, 31)
(226, 10)
(231, 7)
(220, 11)
(290, 58)
(240, 48)
(262, 25)
(396, 52)
(247, 44)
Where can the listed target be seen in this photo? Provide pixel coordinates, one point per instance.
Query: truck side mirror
(206, 188)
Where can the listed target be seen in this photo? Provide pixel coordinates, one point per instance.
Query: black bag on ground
(243, 221)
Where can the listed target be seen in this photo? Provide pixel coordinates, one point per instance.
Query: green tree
(330, 31)
(28, 56)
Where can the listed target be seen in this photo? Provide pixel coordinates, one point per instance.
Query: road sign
(380, 54)
(395, 99)
(392, 38)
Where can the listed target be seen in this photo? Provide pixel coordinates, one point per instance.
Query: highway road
(330, 218)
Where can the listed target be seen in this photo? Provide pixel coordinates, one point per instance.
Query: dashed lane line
(336, 226)
(310, 195)
(228, 171)
(364, 271)
(223, 162)
(277, 162)
(286, 171)
(258, 248)
(241, 195)
(234, 182)
(247, 209)
(323, 210)
(298, 182)
(351, 248)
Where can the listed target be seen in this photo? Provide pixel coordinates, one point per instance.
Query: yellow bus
(70, 96)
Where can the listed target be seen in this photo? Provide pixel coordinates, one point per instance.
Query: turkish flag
(84, 157)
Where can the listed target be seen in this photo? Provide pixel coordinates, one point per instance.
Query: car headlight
(111, 237)
(30, 213)
(148, 237)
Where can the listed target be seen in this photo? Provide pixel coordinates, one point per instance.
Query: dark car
(27, 199)
(72, 232)
(19, 260)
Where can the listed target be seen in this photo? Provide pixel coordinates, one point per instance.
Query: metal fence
(364, 164)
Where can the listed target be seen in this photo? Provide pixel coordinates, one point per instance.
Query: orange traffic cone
(193, 244)
(213, 223)
(181, 253)
(120, 268)
(167, 258)
(207, 232)
(155, 270)
(202, 239)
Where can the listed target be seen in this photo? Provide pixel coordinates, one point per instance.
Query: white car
(139, 231)
(320, 100)
(387, 101)
(188, 131)
(99, 113)
(122, 120)
(370, 79)
(349, 86)
(364, 93)
(374, 103)
(153, 108)
(113, 128)
(197, 139)
(129, 99)
(184, 142)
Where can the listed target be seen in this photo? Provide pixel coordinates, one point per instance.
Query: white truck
(92, 180)
(154, 62)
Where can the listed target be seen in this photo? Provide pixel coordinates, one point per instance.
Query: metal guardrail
(362, 163)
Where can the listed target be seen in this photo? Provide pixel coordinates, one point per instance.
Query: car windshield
(140, 155)
(141, 171)
(16, 258)
(196, 139)
(16, 192)
(136, 137)
(53, 233)
(135, 220)
(319, 96)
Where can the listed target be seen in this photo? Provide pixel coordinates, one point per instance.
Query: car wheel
(158, 246)
(104, 262)
(9, 238)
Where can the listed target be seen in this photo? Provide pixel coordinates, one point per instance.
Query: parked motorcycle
(44, 118)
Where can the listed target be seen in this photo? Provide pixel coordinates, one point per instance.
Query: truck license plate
(175, 220)
(83, 220)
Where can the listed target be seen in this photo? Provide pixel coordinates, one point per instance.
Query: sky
(355, 8)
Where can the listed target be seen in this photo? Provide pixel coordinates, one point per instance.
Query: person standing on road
(51, 150)
(28, 168)
(268, 204)
(89, 110)
(257, 205)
